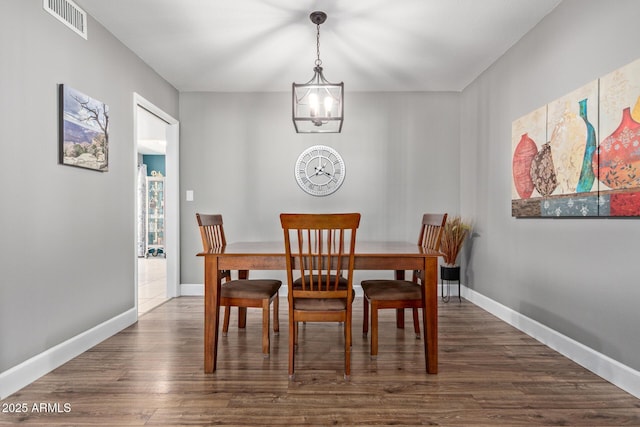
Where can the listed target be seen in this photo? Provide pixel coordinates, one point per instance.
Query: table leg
(242, 311)
(212, 281)
(430, 313)
(399, 275)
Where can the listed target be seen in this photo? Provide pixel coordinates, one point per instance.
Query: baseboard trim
(620, 375)
(191, 289)
(30, 370)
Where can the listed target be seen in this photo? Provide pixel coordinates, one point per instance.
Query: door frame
(172, 195)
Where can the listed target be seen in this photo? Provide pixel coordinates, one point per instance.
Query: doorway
(156, 206)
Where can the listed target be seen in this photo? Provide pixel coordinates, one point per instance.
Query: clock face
(319, 170)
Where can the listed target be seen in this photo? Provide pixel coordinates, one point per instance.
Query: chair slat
(431, 230)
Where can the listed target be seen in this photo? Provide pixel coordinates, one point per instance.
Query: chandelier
(317, 104)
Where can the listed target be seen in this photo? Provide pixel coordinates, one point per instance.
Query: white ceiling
(370, 45)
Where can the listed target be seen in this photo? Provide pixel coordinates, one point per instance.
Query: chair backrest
(211, 231)
(431, 230)
(320, 248)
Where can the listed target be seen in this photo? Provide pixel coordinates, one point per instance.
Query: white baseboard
(620, 375)
(30, 370)
(191, 290)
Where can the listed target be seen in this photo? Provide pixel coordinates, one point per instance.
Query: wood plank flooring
(152, 374)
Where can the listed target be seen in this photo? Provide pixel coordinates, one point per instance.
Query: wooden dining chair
(397, 293)
(320, 252)
(242, 292)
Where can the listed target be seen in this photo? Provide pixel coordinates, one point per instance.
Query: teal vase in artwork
(587, 176)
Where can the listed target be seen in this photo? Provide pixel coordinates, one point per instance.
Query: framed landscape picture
(83, 130)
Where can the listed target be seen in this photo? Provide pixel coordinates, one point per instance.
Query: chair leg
(276, 316)
(365, 320)
(374, 330)
(400, 318)
(292, 343)
(225, 323)
(265, 327)
(350, 326)
(242, 317)
(348, 337)
(347, 348)
(416, 323)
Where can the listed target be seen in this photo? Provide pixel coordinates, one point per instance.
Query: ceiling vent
(69, 14)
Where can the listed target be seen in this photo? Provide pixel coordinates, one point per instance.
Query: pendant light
(318, 104)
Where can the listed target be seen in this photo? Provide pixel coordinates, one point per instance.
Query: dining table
(369, 255)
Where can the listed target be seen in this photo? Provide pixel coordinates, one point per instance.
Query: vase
(587, 176)
(524, 153)
(567, 147)
(543, 174)
(619, 155)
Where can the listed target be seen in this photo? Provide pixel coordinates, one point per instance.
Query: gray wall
(576, 276)
(67, 234)
(237, 152)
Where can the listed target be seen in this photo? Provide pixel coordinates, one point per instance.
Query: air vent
(69, 14)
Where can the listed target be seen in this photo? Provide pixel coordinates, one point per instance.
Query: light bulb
(328, 103)
(313, 104)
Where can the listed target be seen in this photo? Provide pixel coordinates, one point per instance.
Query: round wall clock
(319, 170)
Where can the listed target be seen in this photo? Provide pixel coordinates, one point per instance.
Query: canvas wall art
(619, 151)
(584, 159)
(83, 130)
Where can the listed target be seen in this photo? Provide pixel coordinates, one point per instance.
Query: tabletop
(363, 247)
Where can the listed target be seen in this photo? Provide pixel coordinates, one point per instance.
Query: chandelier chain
(318, 61)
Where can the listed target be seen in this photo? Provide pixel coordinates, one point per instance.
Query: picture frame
(83, 130)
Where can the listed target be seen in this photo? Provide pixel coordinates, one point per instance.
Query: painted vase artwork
(543, 172)
(587, 175)
(582, 151)
(618, 159)
(567, 146)
(523, 155)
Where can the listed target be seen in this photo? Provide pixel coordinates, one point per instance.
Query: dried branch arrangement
(453, 236)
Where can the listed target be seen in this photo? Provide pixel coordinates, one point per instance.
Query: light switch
(189, 195)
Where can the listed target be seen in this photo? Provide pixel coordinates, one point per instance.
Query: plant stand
(448, 275)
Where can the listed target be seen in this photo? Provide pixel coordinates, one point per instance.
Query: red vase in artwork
(617, 160)
(524, 153)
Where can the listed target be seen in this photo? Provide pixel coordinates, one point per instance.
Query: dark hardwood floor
(152, 374)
